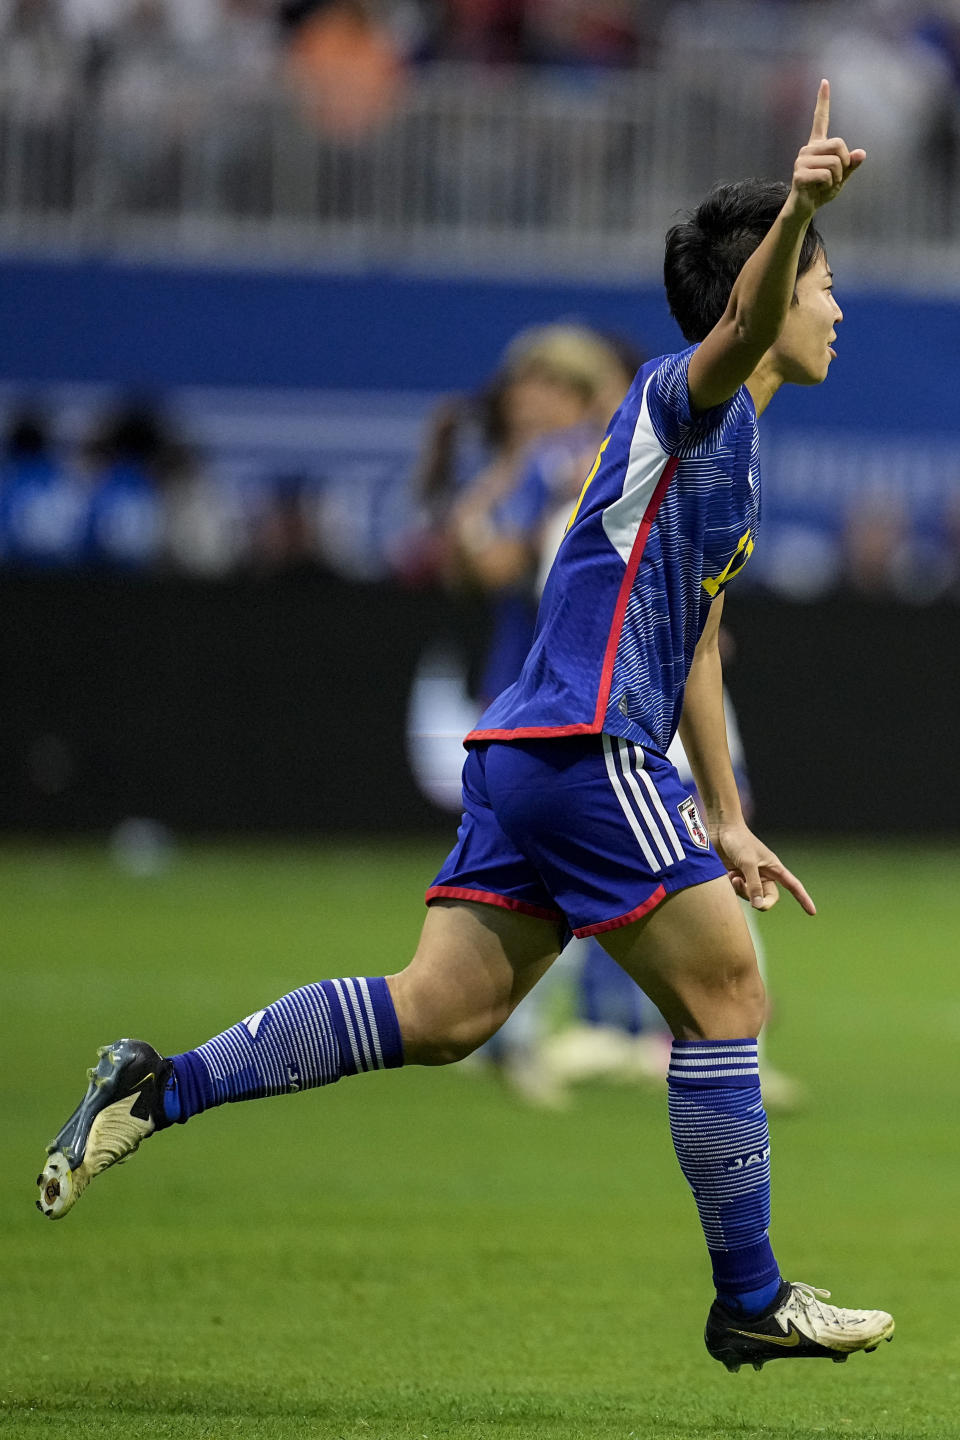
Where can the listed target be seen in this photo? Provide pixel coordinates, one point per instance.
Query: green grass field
(414, 1255)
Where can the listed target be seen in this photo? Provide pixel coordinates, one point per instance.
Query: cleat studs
(40, 1178)
(758, 1364)
(869, 1349)
(839, 1359)
(38, 1205)
(733, 1366)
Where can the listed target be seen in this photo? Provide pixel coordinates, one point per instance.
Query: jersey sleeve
(676, 424)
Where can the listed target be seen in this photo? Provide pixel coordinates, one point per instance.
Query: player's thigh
(473, 965)
(694, 957)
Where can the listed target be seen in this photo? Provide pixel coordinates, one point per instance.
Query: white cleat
(798, 1325)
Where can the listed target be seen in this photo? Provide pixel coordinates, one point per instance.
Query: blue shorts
(592, 831)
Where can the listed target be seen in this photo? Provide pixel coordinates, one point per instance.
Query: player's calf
(308, 1038)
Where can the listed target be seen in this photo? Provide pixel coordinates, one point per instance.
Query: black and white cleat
(122, 1107)
(798, 1325)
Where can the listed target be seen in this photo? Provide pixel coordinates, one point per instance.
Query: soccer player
(574, 820)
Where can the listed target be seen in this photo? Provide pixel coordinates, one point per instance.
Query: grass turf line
(413, 1255)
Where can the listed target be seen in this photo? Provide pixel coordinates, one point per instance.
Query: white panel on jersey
(623, 518)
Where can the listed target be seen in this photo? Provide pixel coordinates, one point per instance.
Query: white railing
(475, 169)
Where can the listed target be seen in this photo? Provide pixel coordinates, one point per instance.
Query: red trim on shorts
(594, 727)
(649, 904)
(490, 897)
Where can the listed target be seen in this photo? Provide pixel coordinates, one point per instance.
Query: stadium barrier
(524, 172)
(284, 707)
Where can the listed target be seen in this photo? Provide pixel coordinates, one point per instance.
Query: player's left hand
(755, 872)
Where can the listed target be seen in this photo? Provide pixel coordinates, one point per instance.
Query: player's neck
(764, 383)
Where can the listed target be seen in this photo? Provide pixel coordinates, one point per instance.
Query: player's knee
(724, 1001)
(743, 996)
(751, 998)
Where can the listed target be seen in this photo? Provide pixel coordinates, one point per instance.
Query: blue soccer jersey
(667, 516)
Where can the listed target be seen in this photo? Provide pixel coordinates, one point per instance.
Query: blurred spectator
(490, 32)
(876, 531)
(894, 551)
(206, 526)
(130, 456)
(345, 65)
(938, 26)
(284, 534)
(603, 34)
(41, 507)
(895, 88)
(583, 33)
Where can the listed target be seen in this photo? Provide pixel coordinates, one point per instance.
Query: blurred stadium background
(248, 253)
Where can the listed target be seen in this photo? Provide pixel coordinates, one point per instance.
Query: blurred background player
(492, 468)
(560, 385)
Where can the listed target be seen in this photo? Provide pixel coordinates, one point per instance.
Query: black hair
(706, 251)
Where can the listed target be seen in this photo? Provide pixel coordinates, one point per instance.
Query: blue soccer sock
(720, 1134)
(307, 1038)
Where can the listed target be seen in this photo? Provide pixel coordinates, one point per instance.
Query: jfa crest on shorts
(695, 826)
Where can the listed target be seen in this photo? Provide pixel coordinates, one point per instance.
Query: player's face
(805, 347)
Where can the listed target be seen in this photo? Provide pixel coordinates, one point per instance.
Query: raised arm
(763, 291)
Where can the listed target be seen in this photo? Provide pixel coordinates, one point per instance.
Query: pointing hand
(824, 164)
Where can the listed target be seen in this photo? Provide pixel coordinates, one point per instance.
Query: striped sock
(308, 1038)
(720, 1134)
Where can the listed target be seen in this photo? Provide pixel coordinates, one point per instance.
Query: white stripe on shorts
(642, 805)
(671, 830)
(626, 807)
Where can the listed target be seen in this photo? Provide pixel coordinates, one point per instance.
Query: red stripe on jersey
(626, 585)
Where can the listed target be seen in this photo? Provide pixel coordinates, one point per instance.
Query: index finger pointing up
(821, 116)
